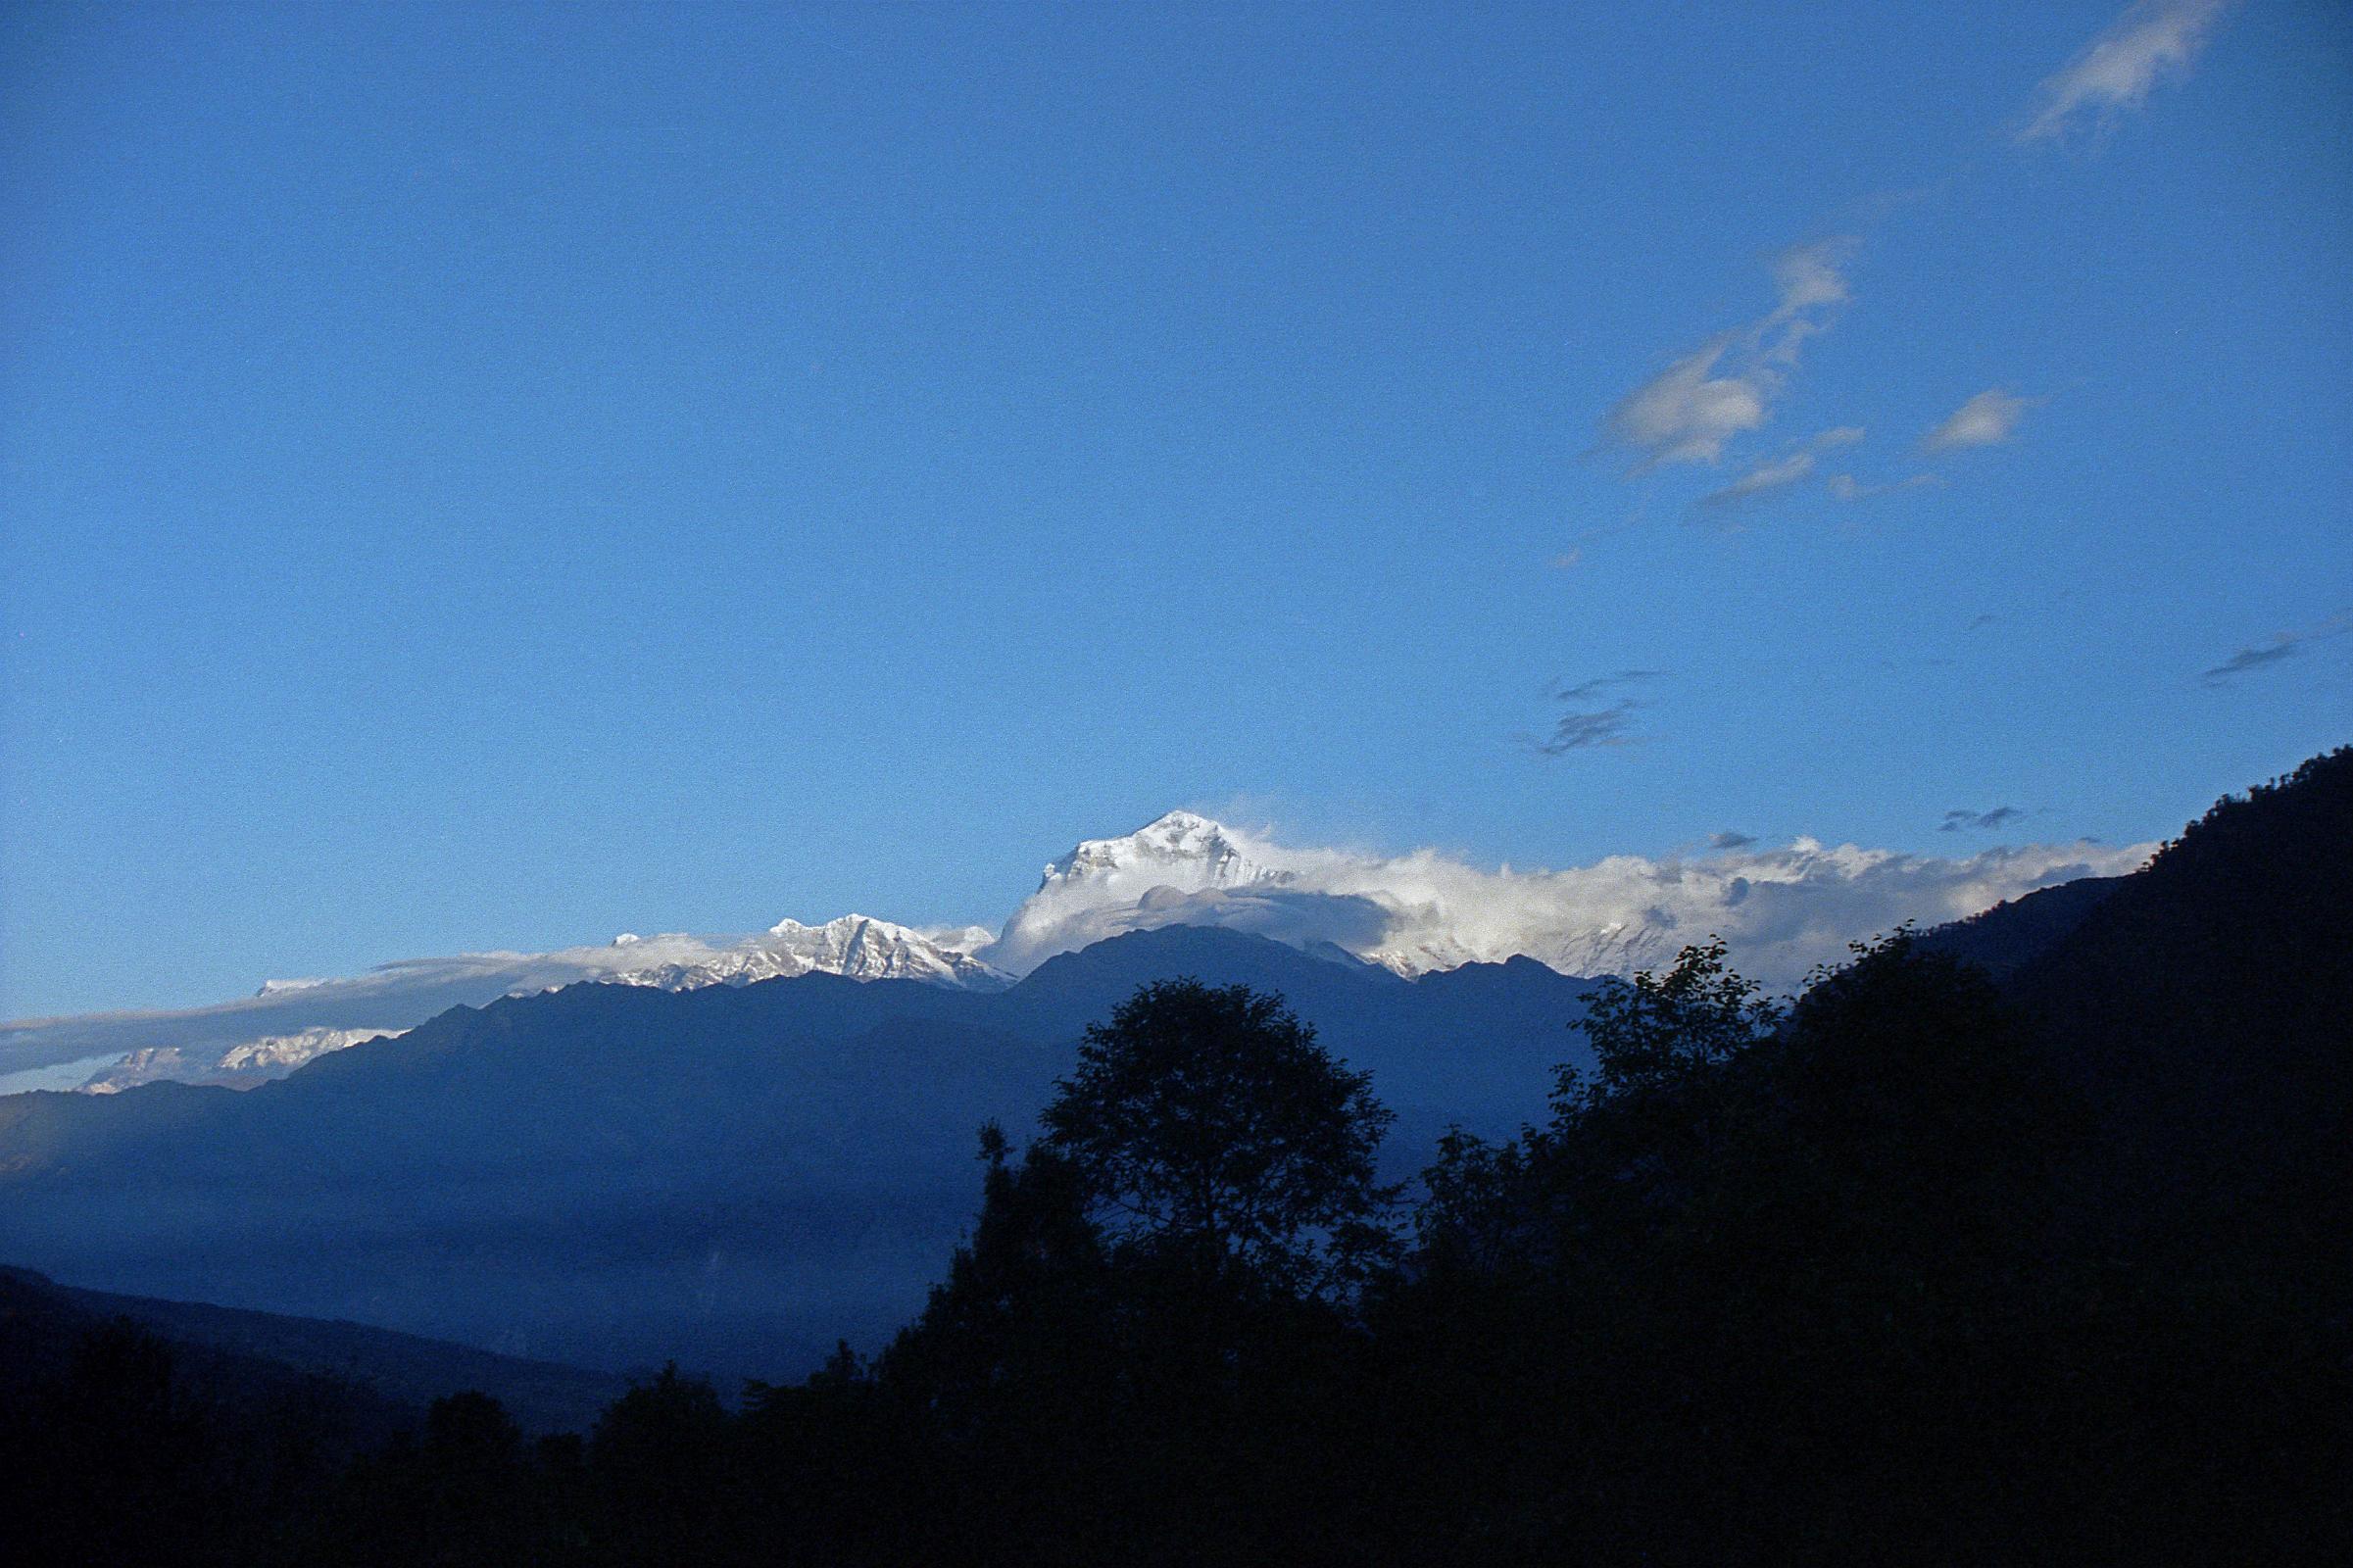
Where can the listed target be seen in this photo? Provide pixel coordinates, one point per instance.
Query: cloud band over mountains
(1782, 909)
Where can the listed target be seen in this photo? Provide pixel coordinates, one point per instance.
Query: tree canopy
(1209, 1130)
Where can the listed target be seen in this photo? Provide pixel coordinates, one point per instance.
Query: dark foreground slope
(617, 1176)
(148, 1433)
(2203, 1007)
(118, 1446)
(399, 1371)
(2206, 1009)
(45, 1330)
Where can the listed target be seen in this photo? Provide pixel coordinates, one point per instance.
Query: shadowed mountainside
(2010, 935)
(612, 1175)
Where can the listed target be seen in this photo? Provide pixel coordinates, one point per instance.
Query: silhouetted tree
(1661, 1032)
(1132, 1358)
(1209, 1130)
(1025, 1309)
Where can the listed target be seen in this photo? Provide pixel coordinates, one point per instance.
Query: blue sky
(480, 478)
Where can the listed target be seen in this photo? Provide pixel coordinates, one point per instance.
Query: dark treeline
(1915, 1269)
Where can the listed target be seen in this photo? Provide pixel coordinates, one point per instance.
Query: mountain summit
(1174, 856)
(856, 945)
(1178, 850)
(1782, 908)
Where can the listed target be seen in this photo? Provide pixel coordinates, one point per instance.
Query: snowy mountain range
(237, 1067)
(1782, 909)
(856, 945)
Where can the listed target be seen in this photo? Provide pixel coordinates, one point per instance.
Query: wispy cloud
(1730, 840)
(1772, 477)
(2287, 645)
(1777, 477)
(1578, 730)
(1566, 559)
(1847, 487)
(1811, 280)
(1986, 419)
(1954, 821)
(1590, 716)
(1726, 388)
(2149, 43)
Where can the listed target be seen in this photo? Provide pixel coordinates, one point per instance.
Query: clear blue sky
(497, 477)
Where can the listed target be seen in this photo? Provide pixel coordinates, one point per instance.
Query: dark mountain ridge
(2206, 1008)
(2015, 932)
(2201, 1002)
(615, 1175)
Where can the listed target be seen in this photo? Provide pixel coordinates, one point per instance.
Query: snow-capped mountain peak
(1179, 854)
(856, 945)
(1180, 849)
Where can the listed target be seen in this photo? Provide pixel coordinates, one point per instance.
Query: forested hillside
(1920, 1267)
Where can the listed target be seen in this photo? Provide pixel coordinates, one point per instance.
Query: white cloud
(2150, 42)
(1847, 487)
(1986, 419)
(386, 999)
(1726, 388)
(1687, 412)
(1764, 480)
(964, 939)
(1811, 276)
(240, 1066)
(1812, 279)
(1782, 909)
(1773, 476)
